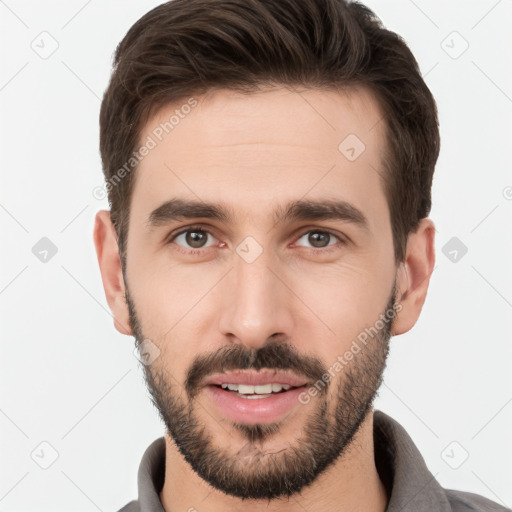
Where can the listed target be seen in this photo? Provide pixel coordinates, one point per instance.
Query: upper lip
(253, 378)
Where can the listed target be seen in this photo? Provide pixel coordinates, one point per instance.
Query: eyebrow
(301, 210)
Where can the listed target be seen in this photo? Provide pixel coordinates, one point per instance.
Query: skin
(252, 154)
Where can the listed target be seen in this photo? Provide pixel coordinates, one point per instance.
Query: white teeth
(262, 389)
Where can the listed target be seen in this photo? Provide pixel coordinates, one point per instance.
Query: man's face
(259, 291)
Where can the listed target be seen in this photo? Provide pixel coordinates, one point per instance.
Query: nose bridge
(256, 305)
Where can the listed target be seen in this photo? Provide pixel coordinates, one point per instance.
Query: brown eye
(192, 239)
(320, 239)
(196, 239)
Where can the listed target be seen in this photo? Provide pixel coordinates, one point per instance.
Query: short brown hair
(186, 47)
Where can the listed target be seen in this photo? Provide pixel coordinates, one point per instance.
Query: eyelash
(170, 239)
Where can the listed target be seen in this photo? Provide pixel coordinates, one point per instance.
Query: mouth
(255, 403)
(258, 391)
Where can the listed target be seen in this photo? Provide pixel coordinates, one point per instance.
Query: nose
(257, 302)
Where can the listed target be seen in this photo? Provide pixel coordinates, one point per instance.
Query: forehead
(251, 151)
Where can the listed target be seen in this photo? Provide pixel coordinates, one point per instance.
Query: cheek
(345, 300)
(166, 288)
(171, 301)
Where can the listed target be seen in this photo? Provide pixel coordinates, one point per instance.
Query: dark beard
(253, 472)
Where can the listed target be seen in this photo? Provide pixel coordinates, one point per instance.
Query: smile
(249, 404)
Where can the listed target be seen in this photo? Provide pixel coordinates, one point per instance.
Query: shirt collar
(402, 469)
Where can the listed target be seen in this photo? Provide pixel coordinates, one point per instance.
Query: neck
(351, 483)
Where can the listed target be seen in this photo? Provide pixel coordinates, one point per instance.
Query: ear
(107, 250)
(414, 276)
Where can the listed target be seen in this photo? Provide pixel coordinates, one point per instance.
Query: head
(269, 169)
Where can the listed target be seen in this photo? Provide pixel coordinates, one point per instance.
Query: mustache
(273, 355)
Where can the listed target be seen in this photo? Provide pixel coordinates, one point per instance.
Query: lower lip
(254, 410)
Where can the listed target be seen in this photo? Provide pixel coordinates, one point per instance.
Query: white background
(68, 378)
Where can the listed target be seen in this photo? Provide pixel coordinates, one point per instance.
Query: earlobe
(107, 251)
(413, 276)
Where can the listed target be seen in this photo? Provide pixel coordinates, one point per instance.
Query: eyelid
(343, 239)
(185, 229)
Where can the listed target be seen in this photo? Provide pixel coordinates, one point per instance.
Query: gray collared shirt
(410, 485)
